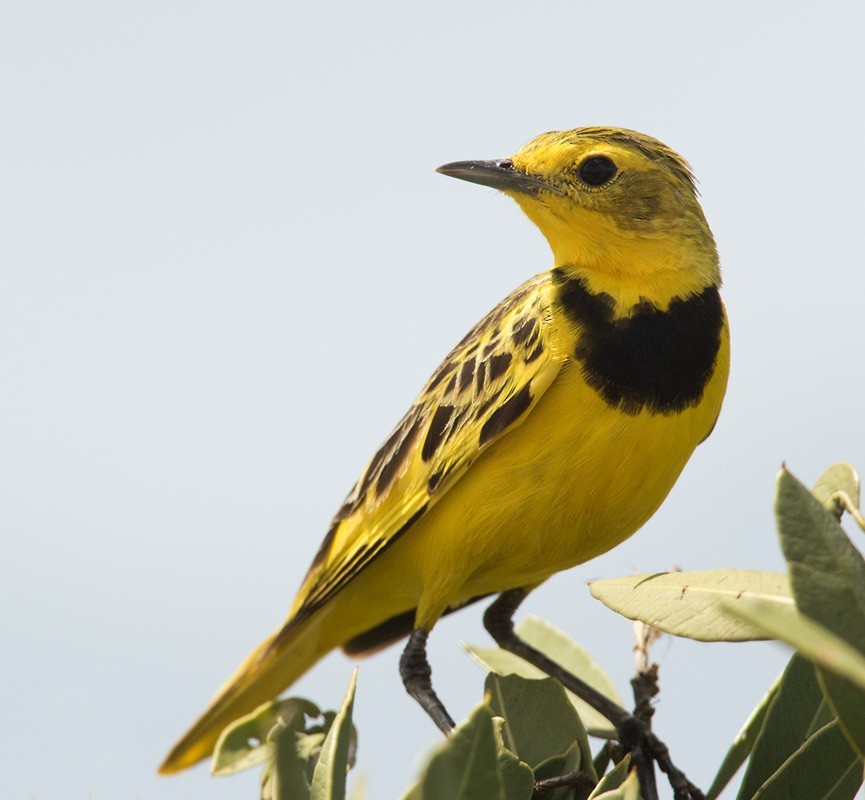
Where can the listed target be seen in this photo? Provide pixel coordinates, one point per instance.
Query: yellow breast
(577, 477)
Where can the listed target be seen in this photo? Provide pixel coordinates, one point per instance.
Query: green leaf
(837, 489)
(827, 574)
(308, 745)
(336, 756)
(613, 779)
(689, 603)
(517, 776)
(796, 712)
(287, 774)
(629, 790)
(602, 760)
(250, 740)
(824, 768)
(539, 721)
(743, 743)
(556, 766)
(811, 639)
(848, 703)
(465, 766)
(564, 651)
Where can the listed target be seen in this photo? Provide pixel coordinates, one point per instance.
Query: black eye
(596, 170)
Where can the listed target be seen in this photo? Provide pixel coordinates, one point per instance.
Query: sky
(227, 266)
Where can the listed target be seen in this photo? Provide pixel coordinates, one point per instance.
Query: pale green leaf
(824, 768)
(288, 773)
(796, 712)
(827, 574)
(837, 489)
(689, 603)
(465, 765)
(629, 790)
(811, 639)
(613, 779)
(539, 721)
(250, 740)
(517, 777)
(328, 779)
(742, 744)
(564, 651)
(559, 765)
(847, 701)
(308, 745)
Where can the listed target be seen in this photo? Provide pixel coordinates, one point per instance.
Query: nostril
(506, 163)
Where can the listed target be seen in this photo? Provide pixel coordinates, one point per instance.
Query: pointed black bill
(499, 174)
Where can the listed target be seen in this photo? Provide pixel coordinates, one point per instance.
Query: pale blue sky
(228, 266)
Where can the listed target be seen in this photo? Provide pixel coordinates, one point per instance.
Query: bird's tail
(277, 663)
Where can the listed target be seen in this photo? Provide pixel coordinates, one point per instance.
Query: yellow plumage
(552, 432)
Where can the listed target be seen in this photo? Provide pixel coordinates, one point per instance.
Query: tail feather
(277, 663)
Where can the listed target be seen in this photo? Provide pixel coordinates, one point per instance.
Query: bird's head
(612, 201)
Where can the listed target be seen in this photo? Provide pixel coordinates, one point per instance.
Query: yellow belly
(572, 481)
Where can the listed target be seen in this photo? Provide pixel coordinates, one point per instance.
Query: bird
(551, 433)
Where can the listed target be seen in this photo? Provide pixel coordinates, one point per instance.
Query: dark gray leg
(416, 674)
(634, 734)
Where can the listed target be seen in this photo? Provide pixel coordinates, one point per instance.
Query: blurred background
(227, 267)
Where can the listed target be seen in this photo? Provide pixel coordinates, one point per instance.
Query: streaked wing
(485, 387)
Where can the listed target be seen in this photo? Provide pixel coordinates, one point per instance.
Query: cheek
(639, 203)
(638, 211)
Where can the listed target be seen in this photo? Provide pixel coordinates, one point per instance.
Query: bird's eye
(596, 170)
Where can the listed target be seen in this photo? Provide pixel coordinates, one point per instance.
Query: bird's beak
(499, 174)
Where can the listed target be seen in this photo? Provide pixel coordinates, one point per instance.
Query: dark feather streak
(397, 461)
(467, 373)
(435, 434)
(523, 330)
(535, 353)
(435, 479)
(499, 364)
(480, 377)
(506, 414)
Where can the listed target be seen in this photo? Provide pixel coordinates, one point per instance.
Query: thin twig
(646, 688)
(645, 681)
(576, 779)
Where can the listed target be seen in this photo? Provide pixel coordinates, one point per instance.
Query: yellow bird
(548, 435)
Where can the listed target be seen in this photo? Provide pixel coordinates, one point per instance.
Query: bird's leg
(416, 674)
(634, 733)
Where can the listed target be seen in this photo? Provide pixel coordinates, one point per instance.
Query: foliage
(807, 736)
(805, 739)
(304, 758)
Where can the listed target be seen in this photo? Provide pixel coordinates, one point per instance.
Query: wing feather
(484, 388)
